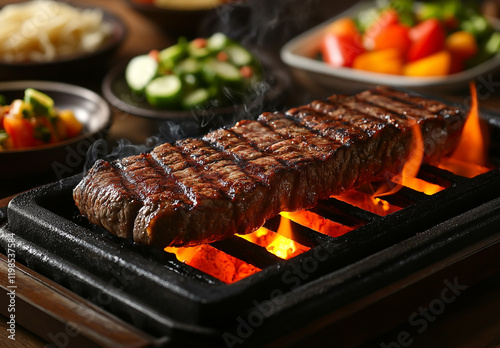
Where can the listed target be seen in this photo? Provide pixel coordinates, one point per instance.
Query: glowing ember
(214, 262)
(471, 156)
(276, 243)
(317, 223)
(422, 186)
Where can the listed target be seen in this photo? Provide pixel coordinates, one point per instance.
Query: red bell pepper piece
(393, 36)
(20, 131)
(340, 50)
(428, 37)
(385, 19)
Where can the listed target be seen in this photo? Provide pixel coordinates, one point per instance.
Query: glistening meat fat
(232, 180)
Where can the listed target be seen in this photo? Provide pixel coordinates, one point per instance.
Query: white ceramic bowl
(299, 53)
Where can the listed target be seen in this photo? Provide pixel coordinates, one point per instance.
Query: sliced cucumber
(41, 103)
(197, 73)
(188, 66)
(217, 42)
(198, 52)
(164, 91)
(223, 71)
(140, 71)
(228, 72)
(191, 81)
(239, 55)
(196, 99)
(170, 56)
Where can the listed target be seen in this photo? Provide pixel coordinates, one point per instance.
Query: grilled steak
(232, 180)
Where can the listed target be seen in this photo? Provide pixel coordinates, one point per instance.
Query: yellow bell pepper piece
(437, 64)
(387, 61)
(462, 44)
(73, 126)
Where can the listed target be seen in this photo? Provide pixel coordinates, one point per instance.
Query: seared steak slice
(105, 199)
(231, 181)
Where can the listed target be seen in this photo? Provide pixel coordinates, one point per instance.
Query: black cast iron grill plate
(155, 292)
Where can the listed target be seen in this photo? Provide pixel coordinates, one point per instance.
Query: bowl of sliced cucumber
(212, 78)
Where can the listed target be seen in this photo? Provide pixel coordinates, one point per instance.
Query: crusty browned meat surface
(232, 180)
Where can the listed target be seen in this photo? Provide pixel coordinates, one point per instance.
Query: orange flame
(408, 175)
(471, 155)
(317, 223)
(423, 186)
(368, 202)
(412, 165)
(277, 243)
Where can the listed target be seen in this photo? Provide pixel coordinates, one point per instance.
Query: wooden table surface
(473, 321)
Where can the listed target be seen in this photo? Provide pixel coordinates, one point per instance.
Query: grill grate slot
(343, 213)
(246, 251)
(298, 233)
(439, 176)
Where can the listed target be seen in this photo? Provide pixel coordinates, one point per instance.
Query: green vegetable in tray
(444, 10)
(406, 11)
(41, 103)
(216, 71)
(3, 136)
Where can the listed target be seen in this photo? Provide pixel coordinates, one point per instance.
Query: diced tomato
(393, 36)
(385, 19)
(199, 42)
(155, 54)
(19, 130)
(340, 51)
(437, 64)
(246, 72)
(428, 37)
(387, 61)
(222, 56)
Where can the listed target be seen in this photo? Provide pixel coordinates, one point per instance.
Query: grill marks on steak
(233, 180)
(363, 138)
